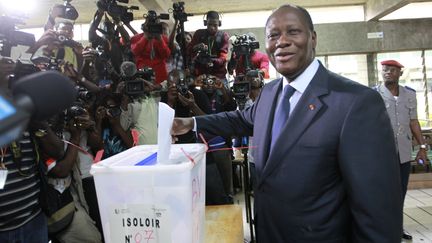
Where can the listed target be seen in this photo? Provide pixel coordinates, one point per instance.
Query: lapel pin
(311, 107)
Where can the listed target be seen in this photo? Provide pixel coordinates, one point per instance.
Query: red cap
(392, 63)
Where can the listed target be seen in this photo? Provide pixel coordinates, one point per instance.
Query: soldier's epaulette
(409, 88)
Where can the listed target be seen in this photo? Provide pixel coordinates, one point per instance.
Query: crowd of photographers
(120, 79)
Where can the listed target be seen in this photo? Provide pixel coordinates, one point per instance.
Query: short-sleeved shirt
(19, 199)
(401, 110)
(142, 115)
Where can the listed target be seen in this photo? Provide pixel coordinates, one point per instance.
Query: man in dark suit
(330, 172)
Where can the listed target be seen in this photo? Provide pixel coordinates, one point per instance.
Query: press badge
(3, 176)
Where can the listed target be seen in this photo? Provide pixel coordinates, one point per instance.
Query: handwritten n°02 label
(140, 223)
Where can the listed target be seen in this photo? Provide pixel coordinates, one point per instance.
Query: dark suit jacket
(333, 175)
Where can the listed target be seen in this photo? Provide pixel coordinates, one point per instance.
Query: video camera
(243, 85)
(10, 37)
(84, 94)
(182, 85)
(65, 40)
(22, 68)
(244, 44)
(146, 73)
(114, 111)
(209, 80)
(135, 85)
(241, 89)
(75, 110)
(68, 11)
(123, 12)
(179, 13)
(203, 57)
(208, 84)
(152, 25)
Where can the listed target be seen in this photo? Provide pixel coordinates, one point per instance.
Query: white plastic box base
(158, 203)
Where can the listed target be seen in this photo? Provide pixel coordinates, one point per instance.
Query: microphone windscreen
(232, 39)
(50, 91)
(128, 69)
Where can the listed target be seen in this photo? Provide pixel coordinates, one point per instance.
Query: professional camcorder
(243, 85)
(22, 68)
(10, 37)
(152, 24)
(68, 11)
(47, 63)
(244, 44)
(135, 85)
(179, 12)
(123, 12)
(241, 89)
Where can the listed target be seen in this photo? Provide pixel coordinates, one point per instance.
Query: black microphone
(38, 96)
(44, 94)
(128, 69)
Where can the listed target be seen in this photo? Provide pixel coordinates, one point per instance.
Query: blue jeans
(34, 231)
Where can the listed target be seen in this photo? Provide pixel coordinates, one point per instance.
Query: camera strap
(152, 50)
(60, 54)
(16, 152)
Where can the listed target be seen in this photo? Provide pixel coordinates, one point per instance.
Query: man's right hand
(182, 126)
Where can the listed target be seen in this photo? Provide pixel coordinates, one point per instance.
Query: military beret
(392, 63)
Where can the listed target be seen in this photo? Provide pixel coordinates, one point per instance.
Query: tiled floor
(417, 215)
(239, 198)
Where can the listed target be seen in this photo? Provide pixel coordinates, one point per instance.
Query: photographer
(179, 38)
(56, 47)
(185, 100)
(150, 48)
(110, 39)
(245, 57)
(219, 188)
(176, 60)
(140, 101)
(95, 74)
(22, 219)
(64, 175)
(116, 138)
(60, 11)
(208, 49)
(255, 82)
(7, 67)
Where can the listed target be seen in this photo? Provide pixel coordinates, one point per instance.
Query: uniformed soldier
(401, 104)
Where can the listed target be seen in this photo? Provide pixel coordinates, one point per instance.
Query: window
(353, 66)
(413, 77)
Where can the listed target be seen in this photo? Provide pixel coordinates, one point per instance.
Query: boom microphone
(128, 69)
(40, 96)
(44, 94)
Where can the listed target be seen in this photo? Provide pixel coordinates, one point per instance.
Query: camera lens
(62, 38)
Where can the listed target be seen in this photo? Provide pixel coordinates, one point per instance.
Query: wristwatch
(424, 146)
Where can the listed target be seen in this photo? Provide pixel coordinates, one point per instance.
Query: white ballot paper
(165, 121)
